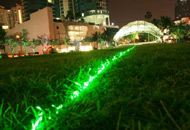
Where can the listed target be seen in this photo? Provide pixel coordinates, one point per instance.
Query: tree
(33, 44)
(188, 34)
(11, 43)
(156, 22)
(95, 36)
(108, 35)
(66, 42)
(88, 39)
(2, 34)
(2, 38)
(178, 32)
(101, 41)
(44, 41)
(24, 39)
(166, 22)
(148, 15)
(103, 38)
(55, 42)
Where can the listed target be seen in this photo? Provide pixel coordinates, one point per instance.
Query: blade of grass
(169, 115)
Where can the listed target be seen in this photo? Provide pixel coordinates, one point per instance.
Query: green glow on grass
(59, 107)
(1, 56)
(39, 118)
(103, 67)
(37, 125)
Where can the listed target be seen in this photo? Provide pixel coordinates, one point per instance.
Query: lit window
(77, 28)
(50, 1)
(71, 33)
(76, 33)
(71, 27)
(5, 27)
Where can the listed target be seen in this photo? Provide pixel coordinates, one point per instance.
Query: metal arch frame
(153, 30)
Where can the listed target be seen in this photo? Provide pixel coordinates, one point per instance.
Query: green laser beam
(36, 125)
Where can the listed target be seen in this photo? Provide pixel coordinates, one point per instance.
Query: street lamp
(17, 36)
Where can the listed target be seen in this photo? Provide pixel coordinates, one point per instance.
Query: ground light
(44, 116)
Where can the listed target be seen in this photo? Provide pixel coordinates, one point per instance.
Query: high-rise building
(10, 17)
(31, 6)
(66, 7)
(182, 9)
(4, 17)
(17, 15)
(91, 11)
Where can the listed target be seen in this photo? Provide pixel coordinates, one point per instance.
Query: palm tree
(11, 43)
(66, 42)
(24, 39)
(33, 44)
(55, 42)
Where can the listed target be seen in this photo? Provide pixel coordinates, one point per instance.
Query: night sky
(125, 11)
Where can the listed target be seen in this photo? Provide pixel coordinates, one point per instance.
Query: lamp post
(18, 37)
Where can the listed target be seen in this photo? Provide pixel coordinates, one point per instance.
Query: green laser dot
(77, 84)
(59, 107)
(39, 108)
(40, 114)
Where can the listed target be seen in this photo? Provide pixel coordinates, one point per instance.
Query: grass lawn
(147, 89)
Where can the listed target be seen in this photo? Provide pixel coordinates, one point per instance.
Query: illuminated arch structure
(138, 27)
